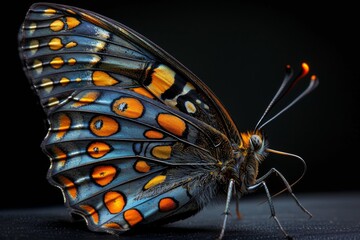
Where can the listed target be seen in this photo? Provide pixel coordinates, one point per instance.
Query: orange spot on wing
(69, 186)
(57, 62)
(152, 134)
(112, 225)
(64, 122)
(133, 217)
(57, 25)
(162, 152)
(72, 22)
(143, 91)
(162, 78)
(142, 166)
(167, 204)
(71, 45)
(155, 181)
(98, 149)
(86, 98)
(72, 61)
(103, 175)
(100, 78)
(172, 124)
(55, 44)
(64, 81)
(49, 12)
(92, 212)
(114, 202)
(128, 107)
(104, 126)
(59, 155)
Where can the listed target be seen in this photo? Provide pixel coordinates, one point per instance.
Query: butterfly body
(134, 137)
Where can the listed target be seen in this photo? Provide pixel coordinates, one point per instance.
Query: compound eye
(256, 142)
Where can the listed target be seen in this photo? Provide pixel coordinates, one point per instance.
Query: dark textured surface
(336, 216)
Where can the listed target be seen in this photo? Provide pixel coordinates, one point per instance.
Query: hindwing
(121, 158)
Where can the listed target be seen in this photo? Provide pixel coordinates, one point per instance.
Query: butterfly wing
(65, 48)
(122, 159)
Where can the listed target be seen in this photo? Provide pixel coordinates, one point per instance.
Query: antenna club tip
(314, 78)
(305, 67)
(288, 69)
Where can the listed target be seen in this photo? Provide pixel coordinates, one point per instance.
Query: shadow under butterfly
(135, 137)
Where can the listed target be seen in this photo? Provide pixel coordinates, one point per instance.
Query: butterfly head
(253, 143)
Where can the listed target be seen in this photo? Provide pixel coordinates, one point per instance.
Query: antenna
(285, 87)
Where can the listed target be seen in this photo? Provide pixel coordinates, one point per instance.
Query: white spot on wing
(171, 102)
(190, 107)
(102, 33)
(52, 102)
(47, 84)
(100, 45)
(38, 66)
(94, 60)
(187, 88)
(32, 28)
(33, 46)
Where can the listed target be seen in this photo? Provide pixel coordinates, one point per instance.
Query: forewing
(122, 159)
(66, 48)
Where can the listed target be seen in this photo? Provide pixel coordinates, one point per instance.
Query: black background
(239, 50)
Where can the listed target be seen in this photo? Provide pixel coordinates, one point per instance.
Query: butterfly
(135, 137)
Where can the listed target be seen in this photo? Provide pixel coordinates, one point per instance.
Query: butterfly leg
(238, 213)
(271, 205)
(227, 212)
(288, 187)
